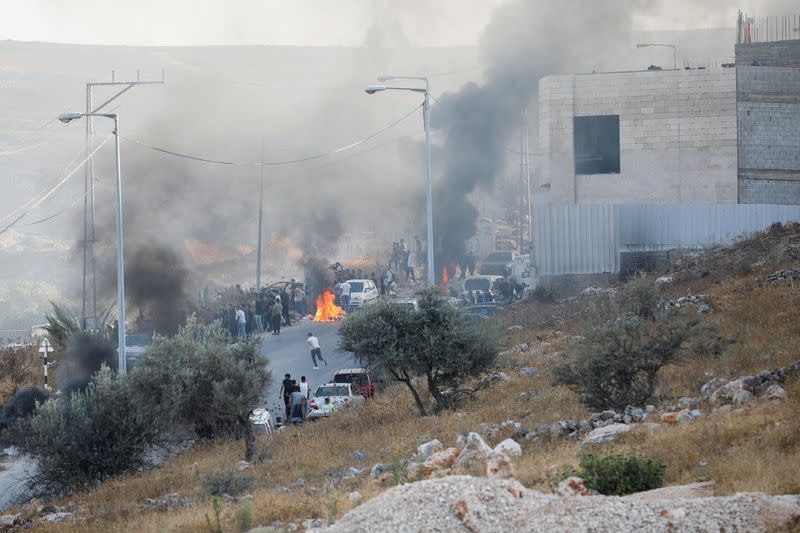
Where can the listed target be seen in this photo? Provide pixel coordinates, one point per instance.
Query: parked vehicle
(496, 263)
(341, 395)
(359, 378)
(487, 310)
(479, 284)
(362, 293)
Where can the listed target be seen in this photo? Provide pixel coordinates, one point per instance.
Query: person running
(316, 351)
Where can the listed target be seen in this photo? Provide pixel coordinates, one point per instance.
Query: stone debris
(572, 486)
(475, 450)
(8, 520)
(456, 503)
(605, 434)
(164, 503)
(509, 447)
(664, 281)
(354, 497)
(499, 465)
(598, 291)
(522, 347)
(429, 448)
(782, 276)
(55, 518)
(696, 299)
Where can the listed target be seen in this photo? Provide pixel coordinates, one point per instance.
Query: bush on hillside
(228, 481)
(199, 380)
(617, 475)
(97, 433)
(616, 363)
(640, 296)
(434, 343)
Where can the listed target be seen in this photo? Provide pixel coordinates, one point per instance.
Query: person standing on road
(299, 300)
(285, 303)
(345, 290)
(286, 390)
(277, 313)
(242, 321)
(303, 386)
(316, 351)
(260, 314)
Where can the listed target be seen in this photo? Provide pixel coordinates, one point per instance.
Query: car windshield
(476, 285)
(499, 257)
(331, 390)
(356, 286)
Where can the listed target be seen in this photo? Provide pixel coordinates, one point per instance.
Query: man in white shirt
(345, 290)
(242, 321)
(316, 351)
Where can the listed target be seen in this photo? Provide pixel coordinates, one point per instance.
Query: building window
(597, 144)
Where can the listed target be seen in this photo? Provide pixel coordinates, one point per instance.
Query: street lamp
(372, 89)
(674, 51)
(69, 117)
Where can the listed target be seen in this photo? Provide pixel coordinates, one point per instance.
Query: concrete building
(661, 136)
(768, 113)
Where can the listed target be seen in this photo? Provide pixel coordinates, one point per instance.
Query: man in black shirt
(286, 389)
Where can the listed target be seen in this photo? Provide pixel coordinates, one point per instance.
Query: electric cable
(275, 163)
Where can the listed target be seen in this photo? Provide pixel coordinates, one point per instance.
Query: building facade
(650, 136)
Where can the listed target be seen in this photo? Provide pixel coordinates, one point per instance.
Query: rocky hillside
(721, 419)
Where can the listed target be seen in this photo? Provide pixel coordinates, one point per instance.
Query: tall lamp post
(372, 89)
(674, 51)
(69, 117)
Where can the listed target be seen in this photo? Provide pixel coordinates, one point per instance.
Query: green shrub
(228, 481)
(616, 363)
(95, 434)
(617, 475)
(640, 296)
(199, 380)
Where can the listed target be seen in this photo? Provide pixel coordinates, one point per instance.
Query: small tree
(433, 342)
(95, 434)
(616, 363)
(200, 380)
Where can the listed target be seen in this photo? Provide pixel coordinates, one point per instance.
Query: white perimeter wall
(677, 136)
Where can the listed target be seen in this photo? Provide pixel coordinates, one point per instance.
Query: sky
(308, 22)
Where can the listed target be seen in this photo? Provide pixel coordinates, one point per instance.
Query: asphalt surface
(289, 353)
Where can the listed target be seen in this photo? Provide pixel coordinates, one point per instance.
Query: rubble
(782, 276)
(697, 299)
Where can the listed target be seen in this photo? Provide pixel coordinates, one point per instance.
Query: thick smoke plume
(86, 354)
(21, 405)
(524, 41)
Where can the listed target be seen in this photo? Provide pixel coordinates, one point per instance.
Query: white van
(362, 292)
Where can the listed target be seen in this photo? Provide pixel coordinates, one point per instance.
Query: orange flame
(327, 311)
(445, 276)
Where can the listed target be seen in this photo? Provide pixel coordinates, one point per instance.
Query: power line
(51, 191)
(275, 163)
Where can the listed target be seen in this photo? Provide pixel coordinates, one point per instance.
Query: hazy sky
(306, 22)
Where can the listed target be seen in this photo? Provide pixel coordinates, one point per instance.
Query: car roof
(361, 280)
(350, 371)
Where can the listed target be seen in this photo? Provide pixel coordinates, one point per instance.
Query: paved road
(289, 353)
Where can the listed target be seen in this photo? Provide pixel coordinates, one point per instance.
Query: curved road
(289, 353)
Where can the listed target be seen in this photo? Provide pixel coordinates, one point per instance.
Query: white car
(362, 293)
(341, 395)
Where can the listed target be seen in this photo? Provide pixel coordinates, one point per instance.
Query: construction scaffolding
(758, 29)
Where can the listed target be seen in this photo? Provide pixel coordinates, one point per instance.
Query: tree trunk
(249, 440)
(407, 380)
(433, 388)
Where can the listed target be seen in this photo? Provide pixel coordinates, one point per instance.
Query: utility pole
(524, 181)
(88, 185)
(260, 217)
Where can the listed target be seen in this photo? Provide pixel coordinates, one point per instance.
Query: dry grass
(756, 449)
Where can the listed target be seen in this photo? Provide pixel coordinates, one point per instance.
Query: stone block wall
(677, 136)
(768, 122)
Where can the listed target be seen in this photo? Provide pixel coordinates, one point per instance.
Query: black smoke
(525, 40)
(86, 354)
(155, 282)
(21, 405)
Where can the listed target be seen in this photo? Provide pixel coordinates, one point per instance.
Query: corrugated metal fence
(587, 239)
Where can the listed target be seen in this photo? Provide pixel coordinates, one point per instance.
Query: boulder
(442, 459)
(703, 489)
(709, 388)
(685, 416)
(429, 448)
(687, 402)
(606, 434)
(376, 470)
(670, 418)
(726, 393)
(775, 392)
(55, 518)
(475, 451)
(522, 347)
(509, 447)
(8, 520)
(499, 465)
(742, 398)
(572, 486)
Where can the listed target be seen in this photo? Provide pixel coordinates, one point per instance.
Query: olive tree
(199, 379)
(434, 343)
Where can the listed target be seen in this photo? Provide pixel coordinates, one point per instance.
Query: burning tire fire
(327, 311)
